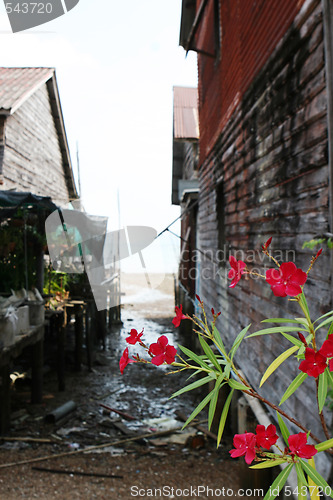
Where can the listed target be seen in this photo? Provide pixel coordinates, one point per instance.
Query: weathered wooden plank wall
(266, 170)
(32, 158)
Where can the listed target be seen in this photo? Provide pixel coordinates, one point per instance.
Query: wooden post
(5, 400)
(78, 337)
(60, 330)
(88, 335)
(37, 372)
(39, 268)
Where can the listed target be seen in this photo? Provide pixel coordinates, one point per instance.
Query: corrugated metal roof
(185, 113)
(17, 84)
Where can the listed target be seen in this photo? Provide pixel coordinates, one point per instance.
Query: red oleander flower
(236, 271)
(134, 337)
(298, 446)
(266, 437)
(124, 361)
(179, 316)
(245, 444)
(314, 363)
(162, 351)
(286, 280)
(266, 245)
(327, 347)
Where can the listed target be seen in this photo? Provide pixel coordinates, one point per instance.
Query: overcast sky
(116, 65)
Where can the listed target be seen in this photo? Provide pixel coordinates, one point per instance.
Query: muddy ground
(177, 465)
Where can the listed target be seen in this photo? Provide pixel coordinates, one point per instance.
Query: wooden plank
(5, 399)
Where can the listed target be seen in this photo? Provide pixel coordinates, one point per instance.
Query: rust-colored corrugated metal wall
(251, 29)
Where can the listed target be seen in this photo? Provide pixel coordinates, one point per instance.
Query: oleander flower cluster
(251, 445)
(316, 362)
(285, 280)
(160, 352)
(216, 364)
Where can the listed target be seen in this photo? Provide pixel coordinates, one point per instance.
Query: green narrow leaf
(280, 320)
(277, 362)
(283, 428)
(213, 401)
(292, 339)
(219, 343)
(325, 322)
(293, 386)
(209, 353)
(314, 493)
(277, 485)
(303, 321)
(325, 445)
(300, 476)
(317, 478)
(198, 409)
(330, 330)
(329, 313)
(237, 385)
(237, 341)
(322, 391)
(269, 463)
(276, 329)
(329, 376)
(224, 415)
(194, 357)
(194, 374)
(304, 304)
(190, 387)
(226, 371)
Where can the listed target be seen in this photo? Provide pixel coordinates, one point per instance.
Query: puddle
(143, 390)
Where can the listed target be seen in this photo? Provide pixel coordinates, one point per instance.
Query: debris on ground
(114, 435)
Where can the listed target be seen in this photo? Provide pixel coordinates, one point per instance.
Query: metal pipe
(60, 412)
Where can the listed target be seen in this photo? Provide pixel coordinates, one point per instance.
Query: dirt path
(160, 468)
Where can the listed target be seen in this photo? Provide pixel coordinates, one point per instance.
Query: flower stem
(254, 394)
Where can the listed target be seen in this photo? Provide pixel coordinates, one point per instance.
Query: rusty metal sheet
(185, 113)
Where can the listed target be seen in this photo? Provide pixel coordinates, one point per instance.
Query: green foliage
(295, 384)
(329, 401)
(55, 282)
(319, 241)
(278, 484)
(217, 366)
